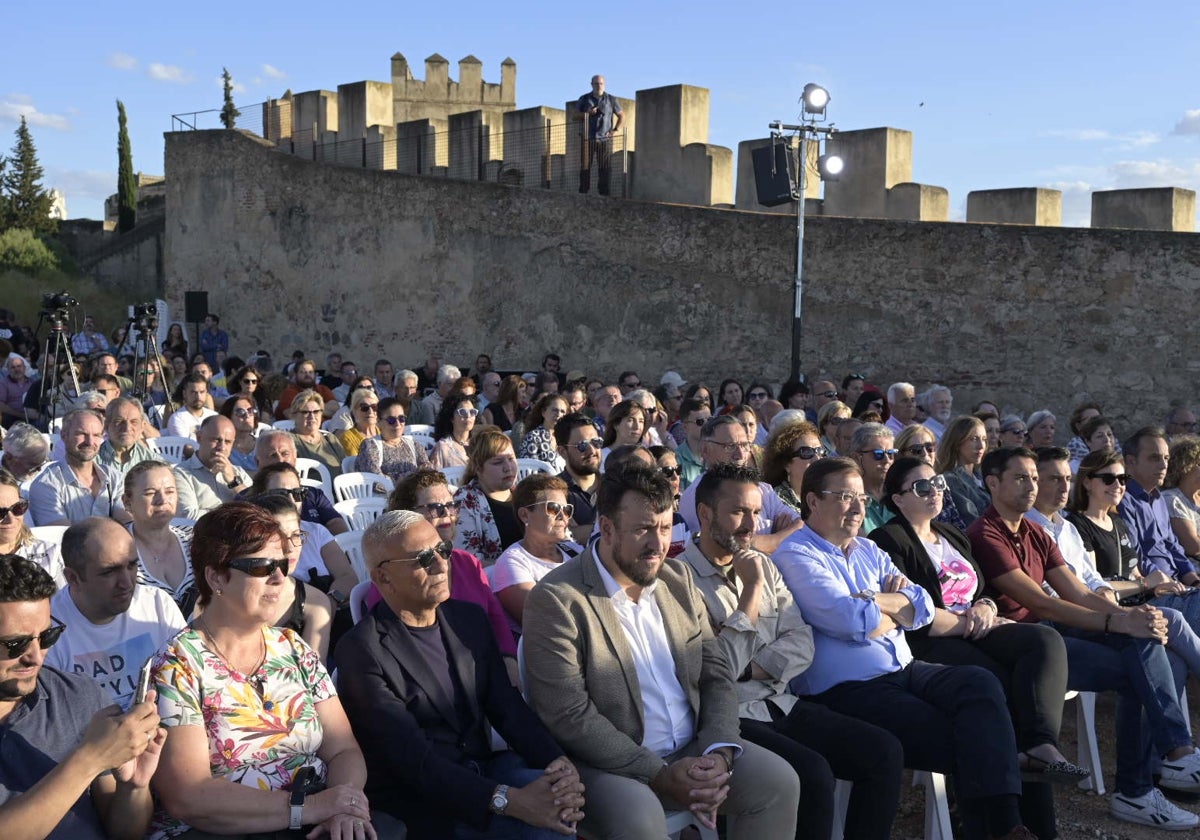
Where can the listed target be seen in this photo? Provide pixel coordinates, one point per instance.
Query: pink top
(468, 582)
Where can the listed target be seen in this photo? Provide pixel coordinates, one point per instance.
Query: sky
(1069, 95)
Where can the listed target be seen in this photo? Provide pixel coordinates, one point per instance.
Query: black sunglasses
(590, 443)
(879, 454)
(807, 453)
(398, 420)
(296, 493)
(259, 567)
(427, 558)
(926, 487)
(17, 509)
(14, 648)
(1109, 478)
(438, 508)
(671, 472)
(919, 449)
(829, 395)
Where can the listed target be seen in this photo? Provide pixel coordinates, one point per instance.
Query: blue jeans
(507, 768)
(1138, 670)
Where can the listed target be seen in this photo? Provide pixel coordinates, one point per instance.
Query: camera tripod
(57, 352)
(146, 352)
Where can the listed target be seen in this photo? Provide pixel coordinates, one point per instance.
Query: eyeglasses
(427, 558)
(926, 487)
(249, 381)
(631, 384)
(296, 493)
(880, 454)
(260, 567)
(297, 539)
(589, 443)
(467, 413)
(555, 508)
(698, 421)
(808, 453)
(14, 648)
(18, 510)
(313, 412)
(396, 420)
(438, 509)
(243, 413)
(1110, 478)
(671, 472)
(1013, 430)
(919, 449)
(730, 448)
(757, 395)
(846, 496)
(830, 395)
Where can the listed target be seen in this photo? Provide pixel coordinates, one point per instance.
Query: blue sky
(1072, 95)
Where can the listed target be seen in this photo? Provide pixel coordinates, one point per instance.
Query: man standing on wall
(602, 115)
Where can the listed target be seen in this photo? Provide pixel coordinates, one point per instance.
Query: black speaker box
(773, 174)
(195, 305)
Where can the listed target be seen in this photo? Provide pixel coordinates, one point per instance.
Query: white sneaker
(1152, 809)
(1182, 773)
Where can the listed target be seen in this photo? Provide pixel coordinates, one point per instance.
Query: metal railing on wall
(545, 155)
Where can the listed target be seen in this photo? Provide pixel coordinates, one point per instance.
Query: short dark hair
(259, 484)
(192, 379)
(569, 423)
(275, 503)
(404, 497)
(531, 486)
(996, 461)
(1132, 445)
(621, 456)
(708, 489)
(646, 481)
(216, 319)
(817, 475)
(24, 580)
(895, 478)
(1046, 454)
(224, 533)
(75, 542)
(548, 357)
(625, 373)
(691, 406)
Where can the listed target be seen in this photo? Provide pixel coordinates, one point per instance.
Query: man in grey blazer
(622, 666)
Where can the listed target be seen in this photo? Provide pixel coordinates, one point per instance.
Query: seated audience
(1096, 433)
(311, 440)
(790, 452)
(244, 415)
(16, 537)
(829, 416)
(938, 403)
(163, 549)
(393, 453)
(1083, 412)
(76, 487)
(1040, 429)
(279, 447)
(452, 431)
(579, 446)
(1182, 492)
(693, 414)
(24, 455)
(195, 408)
(506, 409)
(871, 448)
(364, 411)
(208, 477)
(960, 452)
(305, 379)
(539, 441)
(487, 523)
(124, 425)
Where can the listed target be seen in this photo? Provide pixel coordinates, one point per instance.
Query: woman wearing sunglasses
(364, 409)
(788, 455)
(541, 504)
(392, 453)
(343, 419)
(307, 411)
(246, 382)
(243, 413)
(506, 410)
(15, 536)
(248, 705)
(1030, 660)
(452, 429)
(959, 455)
(163, 549)
(539, 441)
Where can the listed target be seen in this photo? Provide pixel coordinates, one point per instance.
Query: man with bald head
(114, 624)
(278, 447)
(602, 118)
(209, 478)
(78, 486)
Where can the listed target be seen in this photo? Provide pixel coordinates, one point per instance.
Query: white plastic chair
(453, 475)
(528, 466)
(361, 485)
(841, 804)
(418, 429)
(358, 600)
(285, 425)
(1088, 754)
(171, 449)
(937, 806)
(425, 440)
(360, 513)
(52, 534)
(182, 522)
(315, 474)
(348, 463)
(351, 543)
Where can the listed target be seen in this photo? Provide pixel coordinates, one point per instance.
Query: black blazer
(899, 540)
(416, 743)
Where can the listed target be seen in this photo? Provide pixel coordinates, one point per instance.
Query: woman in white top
(1183, 493)
(541, 504)
(452, 430)
(164, 550)
(15, 536)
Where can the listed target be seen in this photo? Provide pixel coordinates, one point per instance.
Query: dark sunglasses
(590, 443)
(919, 449)
(438, 508)
(807, 453)
(396, 421)
(427, 558)
(757, 395)
(296, 493)
(926, 487)
(18, 509)
(700, 421)
(372, 408)
(259, 567)
(14, 648)
(1109, 478)
(631, 384)
(243, 413)
(829, 395)
(880, 454)
(249, 381)
(671, 472)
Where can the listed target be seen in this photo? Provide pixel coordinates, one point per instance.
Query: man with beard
(124, 422)
(306, 378)
(113, 623)
(938, 403)
(902, 400)
(195, 410)
(77, 487)
(623, 668)
(60, 736)
(579, 446)
(768, 643)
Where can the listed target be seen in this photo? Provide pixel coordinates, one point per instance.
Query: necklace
(255, 679)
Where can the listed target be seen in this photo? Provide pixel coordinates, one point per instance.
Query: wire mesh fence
(542, 155)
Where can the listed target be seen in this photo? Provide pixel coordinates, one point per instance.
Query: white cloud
(82, 183)
(122, 61)
(16, 105)
(1190, 124)
(1131, 174)
(168, 73)
(273, 72)
(1135, 139)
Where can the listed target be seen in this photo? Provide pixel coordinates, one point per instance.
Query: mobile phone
(143, 683)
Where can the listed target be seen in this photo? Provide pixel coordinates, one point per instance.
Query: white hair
(387, 525)
(898, 388)
(786, 418)
(448, 373)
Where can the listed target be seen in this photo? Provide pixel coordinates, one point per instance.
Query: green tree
(26, 202)
(229, 111)
(21, 250)
(126, 180)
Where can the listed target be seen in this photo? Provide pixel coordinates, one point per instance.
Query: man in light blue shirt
(950, 719)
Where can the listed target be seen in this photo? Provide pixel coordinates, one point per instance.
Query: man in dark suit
(422, 681)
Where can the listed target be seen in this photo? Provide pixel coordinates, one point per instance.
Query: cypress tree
(229, 111)
(26, 202)
(126, 180)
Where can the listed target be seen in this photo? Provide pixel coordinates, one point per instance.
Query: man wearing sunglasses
(579, 446)
(113, 623)
(60, 734)
(693, 414)
(871, 448)
(422, 682)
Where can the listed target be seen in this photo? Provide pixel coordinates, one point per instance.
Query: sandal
(1062, 772)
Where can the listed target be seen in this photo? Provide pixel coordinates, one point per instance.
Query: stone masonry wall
(301, 254)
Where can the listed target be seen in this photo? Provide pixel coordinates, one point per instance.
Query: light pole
(814, 101)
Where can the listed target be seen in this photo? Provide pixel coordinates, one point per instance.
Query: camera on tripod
(145, 316)
(55, 306)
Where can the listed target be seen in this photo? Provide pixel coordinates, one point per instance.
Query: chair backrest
(358, 600)
(55, 425)
(351, 543)
(157, 415)
(52, 534)
(348, 463)
(284, 425)
(360, 513)
(425, 440)
(361, 485)
(182, 522)
(315, 474)
(528, 466)
(171, 449)
(454, 475)
(419, 429)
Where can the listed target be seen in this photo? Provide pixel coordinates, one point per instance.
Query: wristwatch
(296, 803)
(868, 594)
(499, 803)
(236, 482)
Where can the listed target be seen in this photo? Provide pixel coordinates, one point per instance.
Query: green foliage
(23, 295)
(126, 180)
(25, 202)
(20, 249)
(229, 111)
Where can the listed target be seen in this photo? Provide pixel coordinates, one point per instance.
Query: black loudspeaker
(772, 174)
(195, 305)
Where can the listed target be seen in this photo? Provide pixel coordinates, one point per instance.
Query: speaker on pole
(772, 174)
(195, 305)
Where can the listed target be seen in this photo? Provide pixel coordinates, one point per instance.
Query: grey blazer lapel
(676, 621)
(610, 624)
